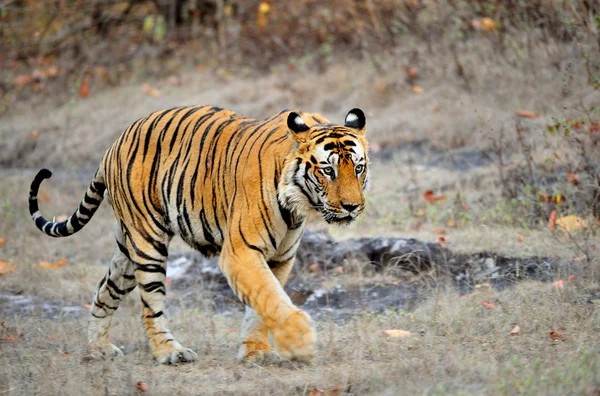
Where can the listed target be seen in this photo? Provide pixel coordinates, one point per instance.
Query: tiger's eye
(359, 168)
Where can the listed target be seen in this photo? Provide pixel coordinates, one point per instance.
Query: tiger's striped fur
(228, 185)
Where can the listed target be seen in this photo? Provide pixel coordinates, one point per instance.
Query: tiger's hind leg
(112, 289)
(150, 258)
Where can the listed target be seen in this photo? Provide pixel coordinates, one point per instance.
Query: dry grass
(459, 346)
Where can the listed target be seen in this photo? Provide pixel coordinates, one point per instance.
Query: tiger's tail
(88, 206)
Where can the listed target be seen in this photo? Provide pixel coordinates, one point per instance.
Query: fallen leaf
(412, 73)
(6, 267)
(416, 89)
(571, 223)
(339, 269)
(559, 284)
(520, 238)
(84, 88)
(316, 392)
(440, 231)
(545, 198)
(58, 264)
(35, 134)
(572, 278)
(314, 267)
(515, 331)
(555, 335)
(483, 286)
(23, 79)
(66, 354)
(451, 223)
(395, 333)
(580, 259)
(488, 305)
(552, 220)
(10, 339)
(431, 198)
(87, 306)
(1, 241)
(442, 241)
(488, 24)
(558, 198)
(264, 7)
(150, 91)
(143, 386)
(573, 178)
(527, 114)
(420, 213)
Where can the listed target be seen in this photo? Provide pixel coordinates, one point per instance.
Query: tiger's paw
(296, 337)
(257, 352)
(175, 355)
(104, 351)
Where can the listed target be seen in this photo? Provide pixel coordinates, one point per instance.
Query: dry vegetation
(448, 126)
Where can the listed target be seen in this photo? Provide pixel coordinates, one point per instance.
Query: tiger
(228, 185)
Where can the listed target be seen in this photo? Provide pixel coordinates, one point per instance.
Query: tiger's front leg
(257, 286)
(255, 334)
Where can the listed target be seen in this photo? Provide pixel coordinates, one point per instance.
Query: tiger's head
(328, 169)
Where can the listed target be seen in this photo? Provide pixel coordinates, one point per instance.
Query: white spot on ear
(299, 121)
(350, 118)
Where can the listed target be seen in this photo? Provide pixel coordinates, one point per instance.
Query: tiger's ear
(356, 119)
(298, 127)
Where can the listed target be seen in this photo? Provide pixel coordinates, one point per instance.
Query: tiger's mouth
(340, 220)
(337, 218)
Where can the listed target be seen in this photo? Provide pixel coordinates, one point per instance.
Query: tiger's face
(329, 171)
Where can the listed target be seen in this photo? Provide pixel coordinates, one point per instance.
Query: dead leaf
(451, 223)
(10, 339)
(35, 134)
(520, 238)
(515, 331)
(47, 265)
(440, 231)
(339, 269)
(488, 305)
(571, 223)
(572, 278)
(6, 267)
(66, 354)
(395, 333)
(559, 284)
(552, 220)
(558, 198)
(413, 73)
(84, 88)
(442, 241)
(431, 198)
(87, 306)
(316, 392)
(420, 213)
(1, 241)
(142, 386)
(555, 335)
(573, 178)
(416, 89)
(545, 198)
(150, 91)
(314, 267)
(23, 79)
(488, 24)
(580, 259)
(527, 114)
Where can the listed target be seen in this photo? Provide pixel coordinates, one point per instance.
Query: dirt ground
(437, 140)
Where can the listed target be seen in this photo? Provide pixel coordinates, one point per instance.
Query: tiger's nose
(350, 207)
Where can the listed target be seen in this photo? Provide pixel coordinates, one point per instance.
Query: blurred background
(483, 118)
